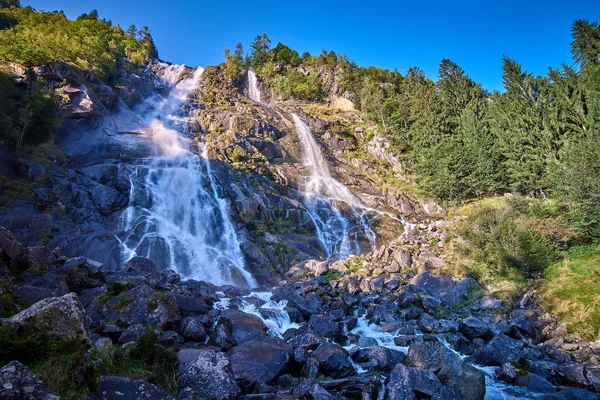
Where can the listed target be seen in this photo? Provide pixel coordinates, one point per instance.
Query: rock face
(55, 318)
(205, 374)
(450, 369)
(17, 382)
(235, 327)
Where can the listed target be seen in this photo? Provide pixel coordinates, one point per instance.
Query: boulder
(133, 333)
(162, 311)
(192, 330)
(500, 350)
(17, 382)
(37, 258)
(449, 368)
(235, 327)
(325, 326)
(414, 383)
(54, 318)
(333, 360)
(473, 328)
(447, 290)
(205, 374)
(118, 387)
(143, 267)
(259, 361)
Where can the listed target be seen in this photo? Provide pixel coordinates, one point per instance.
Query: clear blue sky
(390, 34)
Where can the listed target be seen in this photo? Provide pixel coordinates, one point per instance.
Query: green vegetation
(571, 290)
(332, 275)
(27, 114)
(32, 38)
(69, 369)
(502, 244)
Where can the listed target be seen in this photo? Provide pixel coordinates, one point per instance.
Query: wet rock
(449, 368)
(117, 387)
(191, 305)
(205, 374)
(17, 382)
(256, 362)
(427, 323)
(447, 290)
(472, 328)
(333, 360)
(55, 318)
(500, 350)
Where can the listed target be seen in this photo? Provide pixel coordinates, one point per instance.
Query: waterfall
(176, 216)
(338, 235)
(253, 90)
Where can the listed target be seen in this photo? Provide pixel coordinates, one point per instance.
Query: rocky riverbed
(399, 333)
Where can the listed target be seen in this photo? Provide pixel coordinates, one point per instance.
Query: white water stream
(338, 235)
(176, 216)
(253, 91)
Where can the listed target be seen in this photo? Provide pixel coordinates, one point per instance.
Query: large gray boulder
(54, 318)
(259, 361)
(448, 290)
(500, 350)
(413, 383)
(205, 374)
(333, 360)
(235, 327)
(17, 382)
(118, 388)
(450, 369)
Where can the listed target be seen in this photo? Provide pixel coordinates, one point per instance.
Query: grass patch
(332, 275)
(571, 290)
(145, 360)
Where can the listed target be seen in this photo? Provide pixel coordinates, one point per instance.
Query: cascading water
(176, 217)
(337, 234)
(253, 91)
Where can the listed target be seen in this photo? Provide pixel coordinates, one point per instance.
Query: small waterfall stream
(175, 216)
(338, 235)
(253, 91)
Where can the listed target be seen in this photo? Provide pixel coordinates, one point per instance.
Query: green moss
(332, 275)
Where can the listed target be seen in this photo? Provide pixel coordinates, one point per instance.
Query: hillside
(291, 226)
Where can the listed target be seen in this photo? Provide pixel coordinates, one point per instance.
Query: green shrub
(332, 275)
(295, 85)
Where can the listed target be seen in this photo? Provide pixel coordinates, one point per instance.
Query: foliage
(27, 114)
(504, 247)
(570, 290)
(296, 85)
(332, 275)
(90, 43)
